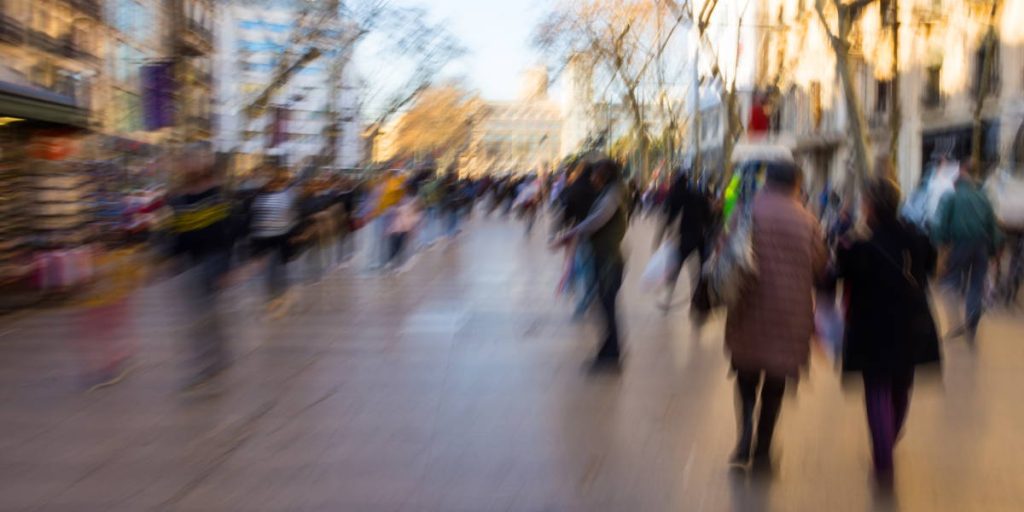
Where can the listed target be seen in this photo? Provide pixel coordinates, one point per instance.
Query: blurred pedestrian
(576, 201)
(527, 200)
(965, 226)
(889, 324)
(274, 222)
(604, 228)
(204, 235)
(106, 339)
(403, 223)
(692, 211)
(768, 331)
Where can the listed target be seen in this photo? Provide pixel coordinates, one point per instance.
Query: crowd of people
(864, 266)
(883, 263)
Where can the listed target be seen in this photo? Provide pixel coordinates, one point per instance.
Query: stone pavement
(457, 386)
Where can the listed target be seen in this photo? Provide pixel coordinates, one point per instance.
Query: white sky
(497, 34)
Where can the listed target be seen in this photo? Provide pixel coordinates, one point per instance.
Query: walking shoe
(762, 464)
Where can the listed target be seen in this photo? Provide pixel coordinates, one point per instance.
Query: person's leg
(952, 283)
(609, 281)
(402, 254)
(273, 272)
(901, 386)
(1016, 271)
(746, 392)
(209, 351)
(586, 278)
(394, 247)
(687, 246)
(772, 391)
(878, 401)
(978, 268)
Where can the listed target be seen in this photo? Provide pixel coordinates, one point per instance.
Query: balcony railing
(89, 7)
(43, 41)
(11, 30)
(72, 50)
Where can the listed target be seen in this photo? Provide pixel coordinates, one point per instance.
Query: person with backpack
(768, 329)
(604, 228)
(203, 234)
(889, 330)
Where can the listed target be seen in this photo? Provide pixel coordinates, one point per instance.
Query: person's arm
(599, 215)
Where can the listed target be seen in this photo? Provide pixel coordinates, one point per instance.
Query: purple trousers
(886, 397)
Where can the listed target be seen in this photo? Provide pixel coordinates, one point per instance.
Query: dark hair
(607, 169)
(782, 174)
(883, 196)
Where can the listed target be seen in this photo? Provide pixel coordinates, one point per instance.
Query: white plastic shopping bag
(661, 268)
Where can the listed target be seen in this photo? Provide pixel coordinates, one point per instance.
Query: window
(883, 96)
(932, 86)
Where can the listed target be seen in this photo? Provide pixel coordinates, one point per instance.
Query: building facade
(296, 125)
(56, 46)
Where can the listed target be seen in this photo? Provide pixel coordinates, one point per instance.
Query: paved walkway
(457, 386)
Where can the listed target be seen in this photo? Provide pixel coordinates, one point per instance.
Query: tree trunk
(733, 129)
(895, 110)
(855, 113)
(847, 15)
(984, 84)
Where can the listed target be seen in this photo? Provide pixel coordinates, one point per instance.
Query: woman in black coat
(889, 326)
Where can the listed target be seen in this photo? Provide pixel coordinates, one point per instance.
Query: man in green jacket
(965, 225)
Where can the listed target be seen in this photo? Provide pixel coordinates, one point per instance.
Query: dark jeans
(609, 280)
(586, 281)
(753, 387)
(966, 271)
(278, 252)
(688, 244)
(886, 398)
(396, 247)
(207, 339)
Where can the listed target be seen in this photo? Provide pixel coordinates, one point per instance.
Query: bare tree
(846, 15)
(989, 43)
(335, 28)
(621, 37)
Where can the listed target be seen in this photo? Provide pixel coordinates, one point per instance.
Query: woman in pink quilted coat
(768, 331)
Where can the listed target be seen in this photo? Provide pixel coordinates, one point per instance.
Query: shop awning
(40, 105)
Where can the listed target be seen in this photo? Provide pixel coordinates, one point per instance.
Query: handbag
(733, 265)
(661, 268)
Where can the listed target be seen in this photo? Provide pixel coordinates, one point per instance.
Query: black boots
(750, 450)
(741, 455)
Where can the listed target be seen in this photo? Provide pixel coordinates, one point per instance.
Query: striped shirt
(273, 214)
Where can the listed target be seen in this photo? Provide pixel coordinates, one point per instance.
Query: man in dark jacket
(604, 228)
(965, 225)
(204, 233)
(692, 210)
(575, 201)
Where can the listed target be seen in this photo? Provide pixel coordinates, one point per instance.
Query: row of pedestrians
(882, 263)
